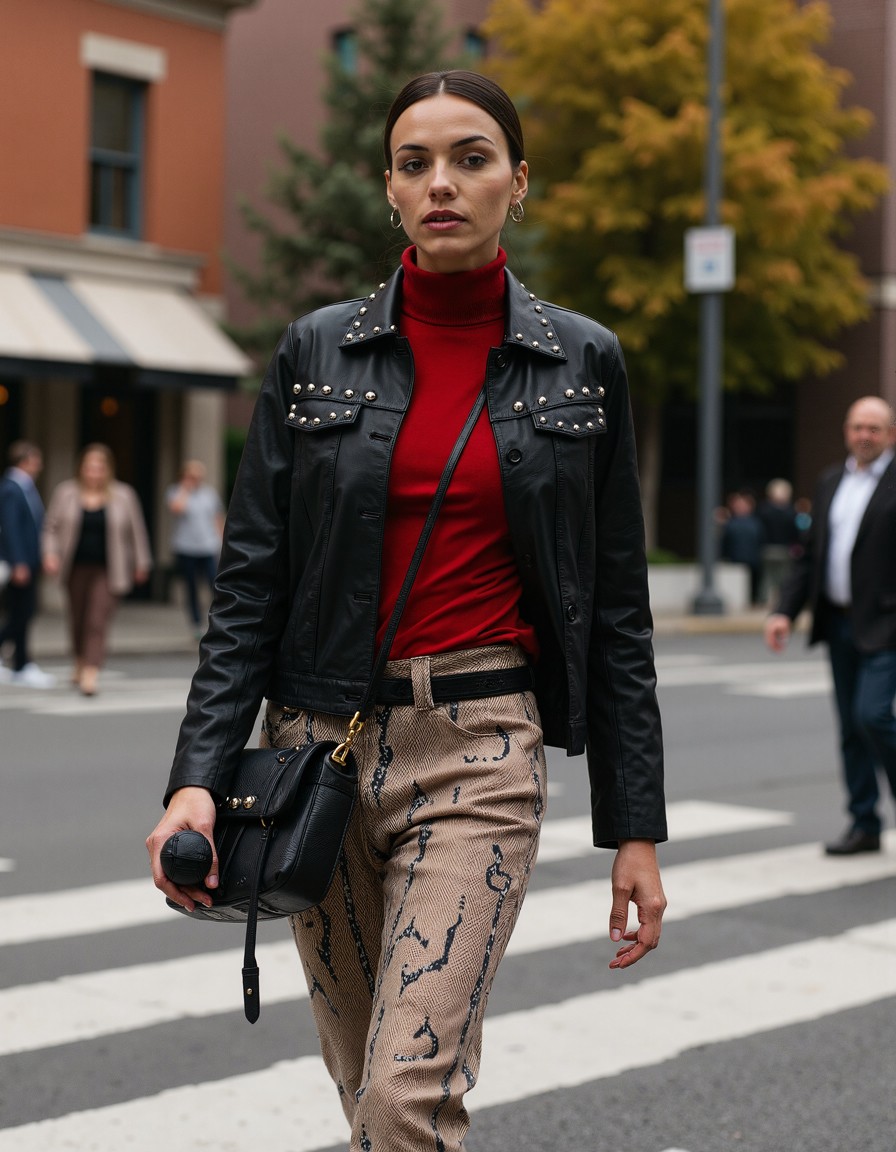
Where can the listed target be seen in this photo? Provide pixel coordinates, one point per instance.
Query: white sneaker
(32, 677)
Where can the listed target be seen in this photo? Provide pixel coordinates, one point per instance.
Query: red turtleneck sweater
(467, 592)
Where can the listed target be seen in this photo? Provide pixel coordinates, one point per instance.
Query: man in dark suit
(847, 575)
(21, 518)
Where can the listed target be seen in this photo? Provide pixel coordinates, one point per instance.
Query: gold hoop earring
(517, 211)
(392, 216)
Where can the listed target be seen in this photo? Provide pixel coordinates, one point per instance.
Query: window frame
(111, 161)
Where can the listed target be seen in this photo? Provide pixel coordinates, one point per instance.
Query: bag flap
(267, 779)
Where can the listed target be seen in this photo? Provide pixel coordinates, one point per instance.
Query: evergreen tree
(329, 236)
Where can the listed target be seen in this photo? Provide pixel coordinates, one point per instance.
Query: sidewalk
(141, 628)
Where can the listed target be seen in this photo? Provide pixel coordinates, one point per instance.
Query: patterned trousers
(401, 955)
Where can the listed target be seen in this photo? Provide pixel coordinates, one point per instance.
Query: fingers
(777, 632)
(636, 879)
(189, 809)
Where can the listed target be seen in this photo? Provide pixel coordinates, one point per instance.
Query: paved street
(763, 1022)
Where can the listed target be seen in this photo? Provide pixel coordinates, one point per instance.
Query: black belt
(460, 686)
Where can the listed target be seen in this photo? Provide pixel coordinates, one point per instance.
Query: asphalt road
(763, 1022)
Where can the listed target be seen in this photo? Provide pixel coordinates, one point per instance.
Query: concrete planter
(674, 586)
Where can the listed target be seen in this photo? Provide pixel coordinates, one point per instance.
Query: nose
(441, 186)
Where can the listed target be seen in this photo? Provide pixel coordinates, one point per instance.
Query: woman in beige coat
(95, 541)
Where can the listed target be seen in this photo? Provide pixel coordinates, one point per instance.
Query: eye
(475, 160)
(411, 166)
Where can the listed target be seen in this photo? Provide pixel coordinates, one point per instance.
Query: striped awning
(68, 324)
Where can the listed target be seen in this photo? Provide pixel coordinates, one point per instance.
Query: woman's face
(94, 470)
(452, 181)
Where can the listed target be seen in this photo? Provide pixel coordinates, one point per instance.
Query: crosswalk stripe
(80, 1007)
(130, 903)
(542, 1049)
(688, 820)
(687, 675)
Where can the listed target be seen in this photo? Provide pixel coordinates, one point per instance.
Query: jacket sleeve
(12, 526)
(624, 743)
(251, 600)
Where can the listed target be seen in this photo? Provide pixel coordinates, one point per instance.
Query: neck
(453, 299)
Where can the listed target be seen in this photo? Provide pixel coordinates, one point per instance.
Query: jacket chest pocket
(570, 416)
(316, 414)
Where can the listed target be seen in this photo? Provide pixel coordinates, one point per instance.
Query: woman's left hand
(636, 880)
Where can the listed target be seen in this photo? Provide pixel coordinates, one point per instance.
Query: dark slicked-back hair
(479, 90)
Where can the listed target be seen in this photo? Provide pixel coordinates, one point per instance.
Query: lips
(442, 218)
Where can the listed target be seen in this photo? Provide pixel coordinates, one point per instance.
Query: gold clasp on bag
(340, 754)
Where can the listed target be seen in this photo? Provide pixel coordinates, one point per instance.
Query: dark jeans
(21, 604)
(864, 686)
(191, 569)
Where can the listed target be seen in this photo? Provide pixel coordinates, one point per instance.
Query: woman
(95, 541)
(198, 518)
(537, 561)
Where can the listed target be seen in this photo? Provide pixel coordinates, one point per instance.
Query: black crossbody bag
(279, 834)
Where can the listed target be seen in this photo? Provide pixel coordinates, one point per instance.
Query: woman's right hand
(189, 808)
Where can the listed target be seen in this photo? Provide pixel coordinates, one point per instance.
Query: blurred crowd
(763, 535)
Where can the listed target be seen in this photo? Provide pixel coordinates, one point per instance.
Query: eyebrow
(457, 144)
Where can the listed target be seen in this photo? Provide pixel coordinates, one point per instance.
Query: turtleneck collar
(453, 299)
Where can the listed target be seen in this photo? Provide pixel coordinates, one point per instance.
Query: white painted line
(130, 903)
(292, 1104)
(81, 911)
(82, 1007)
(101, 705)
(809, 685)
(688, 820)
(77, 1008)
(577, 913)
(742, 675)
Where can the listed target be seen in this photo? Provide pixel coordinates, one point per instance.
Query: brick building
(112, 132)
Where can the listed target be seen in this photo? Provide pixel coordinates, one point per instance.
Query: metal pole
(709, 470)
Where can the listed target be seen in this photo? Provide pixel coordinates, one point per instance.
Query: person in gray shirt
(198, 520)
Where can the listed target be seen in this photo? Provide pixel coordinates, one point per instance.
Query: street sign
(709, 259)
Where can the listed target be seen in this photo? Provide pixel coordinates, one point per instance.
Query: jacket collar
(529, 322)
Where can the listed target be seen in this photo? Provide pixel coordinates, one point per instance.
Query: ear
(389, 196)
(521, 181)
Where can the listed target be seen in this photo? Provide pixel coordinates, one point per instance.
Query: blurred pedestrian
(847, 576)
(95, 541)
(21, 519)
(778, 517)
(198, 515)
(743, 537)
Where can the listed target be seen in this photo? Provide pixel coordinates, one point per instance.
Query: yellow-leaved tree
(612, 94)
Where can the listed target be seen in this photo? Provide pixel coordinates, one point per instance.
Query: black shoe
(853, 842)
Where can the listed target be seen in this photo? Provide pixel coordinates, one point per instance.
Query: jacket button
(514, 456)
(500, 360)
(571, 612)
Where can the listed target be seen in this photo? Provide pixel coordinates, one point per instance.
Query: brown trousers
(401, 955)
(91, 608)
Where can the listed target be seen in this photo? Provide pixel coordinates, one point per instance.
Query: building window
(474, 44)
(345, 46)
(116, 155)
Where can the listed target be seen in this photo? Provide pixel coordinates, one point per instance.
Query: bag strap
(366, 707)
(251, 992)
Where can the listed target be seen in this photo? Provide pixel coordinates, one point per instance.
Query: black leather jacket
(295, 611)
